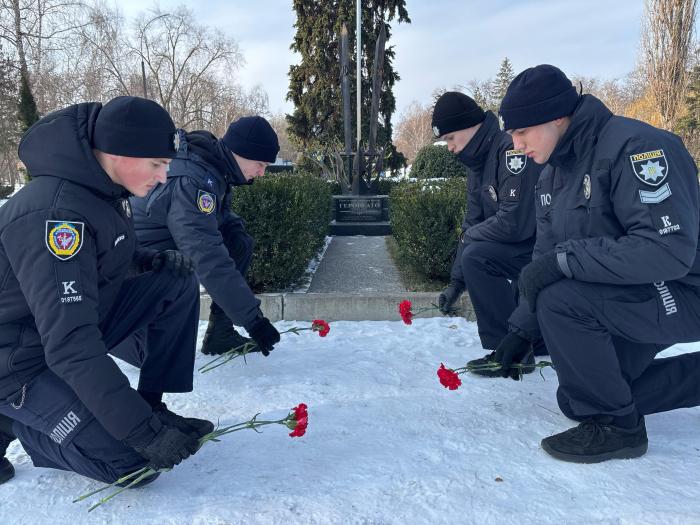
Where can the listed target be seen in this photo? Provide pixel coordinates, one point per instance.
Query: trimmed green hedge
(425, 220)
(288, 216)
(433, 162)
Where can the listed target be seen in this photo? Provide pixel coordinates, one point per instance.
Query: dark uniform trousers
(490, 272)
(240, 247)
(608, 365)
(157, 307)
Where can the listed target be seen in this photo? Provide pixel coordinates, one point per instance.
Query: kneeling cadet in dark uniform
(499, 225)
(615, 276)
(192, 213)
(66, 243)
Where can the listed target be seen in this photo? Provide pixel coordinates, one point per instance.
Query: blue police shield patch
(206, 202)
(515, 161)
(650, 167)
(64, 239)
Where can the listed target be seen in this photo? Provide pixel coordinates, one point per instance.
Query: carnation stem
(495, 365)
(127, 477)
(240, 351)
(145, 472)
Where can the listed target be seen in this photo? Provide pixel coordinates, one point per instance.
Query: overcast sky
(448, 42)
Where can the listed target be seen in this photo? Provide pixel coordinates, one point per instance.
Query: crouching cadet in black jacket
(66, 244)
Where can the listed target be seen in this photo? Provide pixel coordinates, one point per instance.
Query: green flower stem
(120, 480)
(240, 351)
(136, 478)
(495, 365)
(146, 472)
(432, 306)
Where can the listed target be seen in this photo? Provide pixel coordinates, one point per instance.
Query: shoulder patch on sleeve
(206, 202)
(650, 167)
(515, 161)
(64, 239)
(656, 196)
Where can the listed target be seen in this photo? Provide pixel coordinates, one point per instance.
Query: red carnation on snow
(405, 311)
(448, 378)
(320, 326)
(299, 421)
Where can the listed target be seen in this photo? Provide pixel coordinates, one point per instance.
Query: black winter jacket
(619, 200)
(189, 212)
(66, 243)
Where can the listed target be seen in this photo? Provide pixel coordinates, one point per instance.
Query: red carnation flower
(320, 326)
(448, 378)
(405, 312)
(300, 420)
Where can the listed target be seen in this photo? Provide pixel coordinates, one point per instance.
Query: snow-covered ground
(386, 444)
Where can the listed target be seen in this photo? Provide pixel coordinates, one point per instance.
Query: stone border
(343, 307)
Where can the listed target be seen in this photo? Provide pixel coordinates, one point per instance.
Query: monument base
(360, 215)
(360, 228)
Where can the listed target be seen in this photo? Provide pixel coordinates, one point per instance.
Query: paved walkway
(356, 265)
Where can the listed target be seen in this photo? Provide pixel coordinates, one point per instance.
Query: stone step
(360, 228)
(344, 306)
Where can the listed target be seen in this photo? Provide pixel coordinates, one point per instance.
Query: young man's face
(251, 168)
(458, 140)
(137, 175)
(538, 142)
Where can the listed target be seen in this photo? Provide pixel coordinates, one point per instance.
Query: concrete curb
(344, 307)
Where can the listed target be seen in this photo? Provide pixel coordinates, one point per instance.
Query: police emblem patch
(650, 167)
(493, 194)
(587, 186)
(206, 202)
(515, 161)
(64, 239)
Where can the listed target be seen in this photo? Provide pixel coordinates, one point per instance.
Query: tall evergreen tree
(28, 113)
(314, 85)
(9, 124)
(690, 122)
(500, 84)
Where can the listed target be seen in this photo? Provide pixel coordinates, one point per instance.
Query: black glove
(537, 275)
(173, 261)
(264, 334)
(449, 296)
(168, 448)
(512, 349)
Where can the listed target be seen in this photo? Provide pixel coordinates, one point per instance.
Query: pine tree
(500, 85)
(28, 113)
(9, 125)
(690, 122)
(688, 126)
(314, 85)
